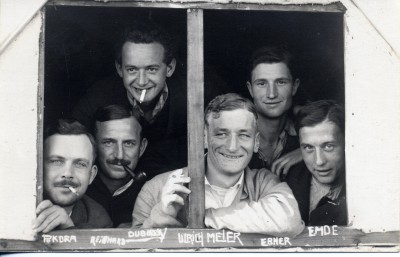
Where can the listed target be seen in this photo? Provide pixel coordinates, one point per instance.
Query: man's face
(272, 88)
(68, 162)
(322, 147)
(231, 140)
(119, 144)
(142, 68)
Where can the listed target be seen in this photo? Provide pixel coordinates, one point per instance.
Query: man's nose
(319, 157)
(119, 151)
(142, 80)
(68, 171)
(272, 91)
(232, 143)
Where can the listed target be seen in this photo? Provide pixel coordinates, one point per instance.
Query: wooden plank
(334, 7)
(40, 113)
(195, 84)
(198, 239)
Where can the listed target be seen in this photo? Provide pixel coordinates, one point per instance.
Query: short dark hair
(272, 54)
(314, 113)
(228, 102)
(68, 127)
(145, 33)
(117, 112)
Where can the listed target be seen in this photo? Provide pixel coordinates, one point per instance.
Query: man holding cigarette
(120, 143)
(236, 197)
(144, 59)
(69, 154)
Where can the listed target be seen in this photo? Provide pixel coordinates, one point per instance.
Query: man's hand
(281, 166)
(174, 192)
(51, 216)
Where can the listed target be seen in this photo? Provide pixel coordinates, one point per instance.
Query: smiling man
(319, 183)
(69, 154)
(236, 197)
(120, 143)
(272, 84)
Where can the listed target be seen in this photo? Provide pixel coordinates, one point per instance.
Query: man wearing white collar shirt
(236, 197)
(68, 168)
(120, 143)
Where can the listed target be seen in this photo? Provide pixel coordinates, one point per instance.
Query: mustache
(66, 183)
(120, 162)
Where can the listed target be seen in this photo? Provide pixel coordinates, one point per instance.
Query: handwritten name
(194, 238)
(107, 240)
(275, 241)
(323, 230)
(51, 239)
(146, 235)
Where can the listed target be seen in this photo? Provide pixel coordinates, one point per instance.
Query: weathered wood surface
(201, 239)
(334, 7)
(195, 104)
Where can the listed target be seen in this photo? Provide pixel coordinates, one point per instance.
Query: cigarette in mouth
(142, 95)
(73, 190)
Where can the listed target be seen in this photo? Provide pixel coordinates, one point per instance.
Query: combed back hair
(228, 102)
(145, 33)
(68, 127)
(117, 112)
(314, 113)
(272, 54)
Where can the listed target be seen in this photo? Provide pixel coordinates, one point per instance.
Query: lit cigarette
(73, 190)
(142, 95)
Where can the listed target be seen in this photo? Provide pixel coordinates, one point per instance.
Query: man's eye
(308, 148)
(107, 143)
(329, 147)
(281, 82)
(131, 70)
(261, 84)
(222, 134)
(129, 144)
(56, 162)
(81, 165)
(245, 136)
(152, 70)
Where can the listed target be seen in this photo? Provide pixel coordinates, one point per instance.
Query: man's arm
(51, 217)
(281, 166)
(275, 213)
(160, 200)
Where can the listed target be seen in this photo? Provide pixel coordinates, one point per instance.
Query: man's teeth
(232, 156)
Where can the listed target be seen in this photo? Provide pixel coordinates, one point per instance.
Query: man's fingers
(46, 219)
(177, 188)
(42, 206)
(174, 199)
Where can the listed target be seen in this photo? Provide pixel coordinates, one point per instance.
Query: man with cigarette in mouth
(120, 143)
(318, 183)
(69, 154)
(144, 59)
(236, 197)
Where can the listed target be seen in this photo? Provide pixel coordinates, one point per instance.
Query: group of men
(269, 169)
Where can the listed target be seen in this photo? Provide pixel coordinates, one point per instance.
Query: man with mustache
(236, 197)
(120, 143)
(273, 83)
(69, 154)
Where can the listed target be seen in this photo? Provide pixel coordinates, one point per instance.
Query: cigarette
(142, 95)
(73, 190)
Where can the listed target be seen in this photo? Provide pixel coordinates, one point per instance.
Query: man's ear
(171, 67)
(93, 173)
(205, 138)
(296, 85)
(143, 146)
(118, 67)
(257, 142)
(248, 84)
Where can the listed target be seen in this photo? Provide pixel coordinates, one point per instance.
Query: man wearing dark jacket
(318, 183)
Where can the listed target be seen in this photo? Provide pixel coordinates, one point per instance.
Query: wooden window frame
(195, 236)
